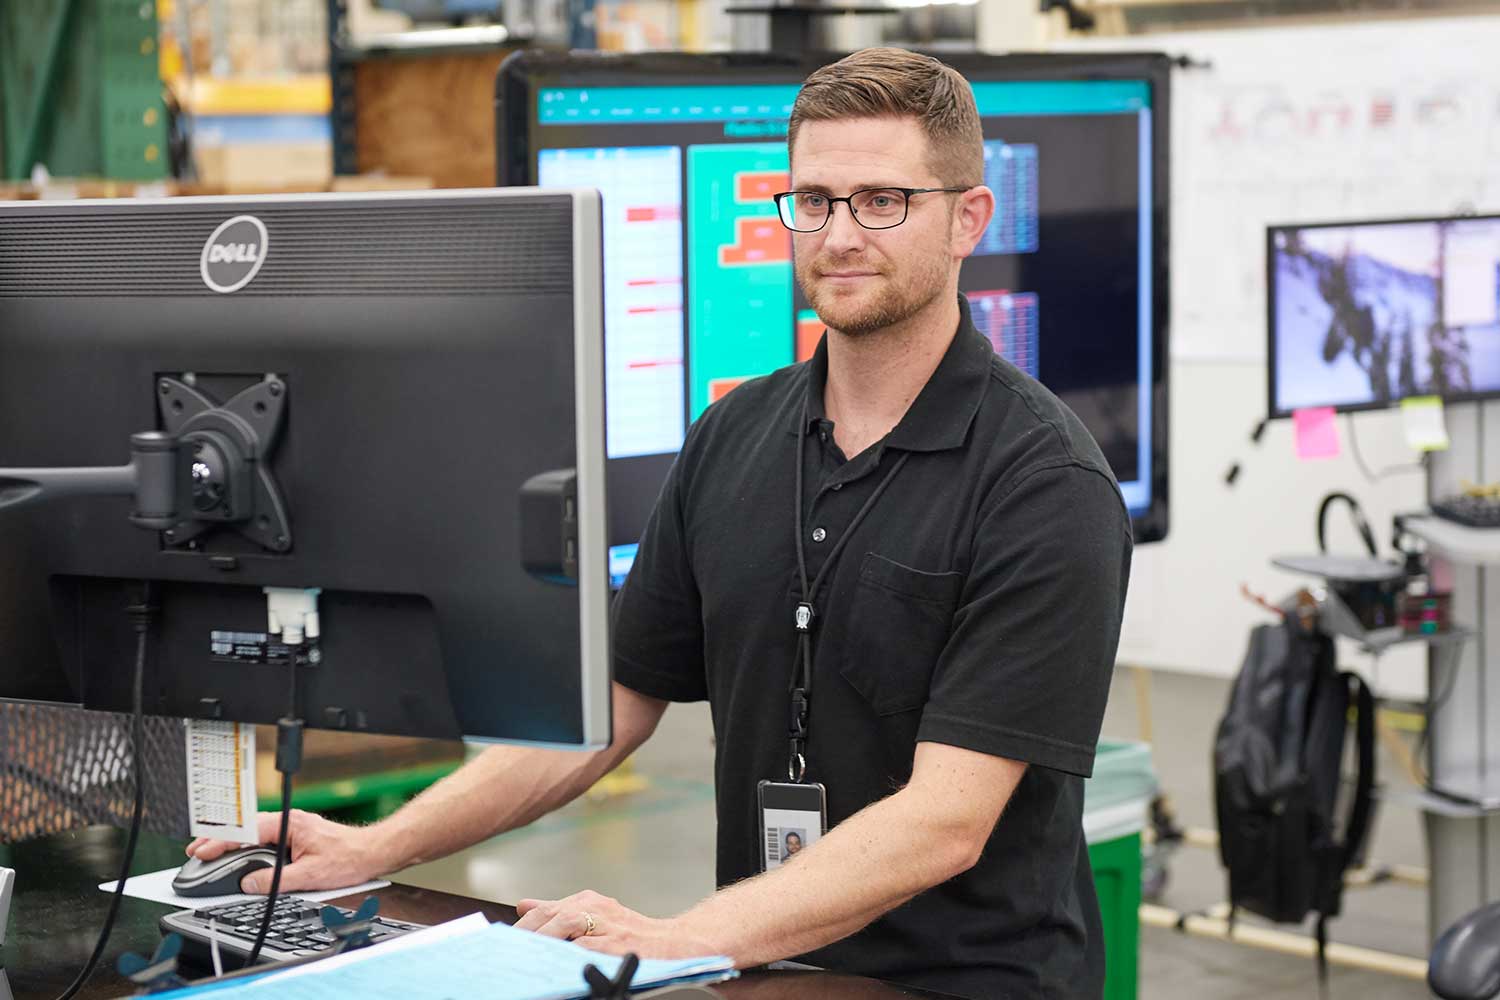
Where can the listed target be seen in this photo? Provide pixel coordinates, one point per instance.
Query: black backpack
(1278, 762)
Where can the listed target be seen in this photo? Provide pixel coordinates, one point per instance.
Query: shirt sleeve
(1026, 671)
(657, 620)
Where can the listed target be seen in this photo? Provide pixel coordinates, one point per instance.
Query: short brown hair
(895, 83)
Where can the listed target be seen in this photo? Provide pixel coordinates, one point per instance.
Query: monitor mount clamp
(208, 468)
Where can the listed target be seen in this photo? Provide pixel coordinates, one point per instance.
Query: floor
(653, 850)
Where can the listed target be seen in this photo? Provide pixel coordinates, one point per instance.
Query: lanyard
(805, 616)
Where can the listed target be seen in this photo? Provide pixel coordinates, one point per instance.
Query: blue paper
(499, 962)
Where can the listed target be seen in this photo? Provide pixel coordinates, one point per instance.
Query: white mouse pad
(157, 887)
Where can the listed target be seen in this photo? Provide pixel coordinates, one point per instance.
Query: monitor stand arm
(208, 468)
(159, 470)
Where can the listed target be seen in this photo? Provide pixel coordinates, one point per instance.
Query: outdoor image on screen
(1365, 315)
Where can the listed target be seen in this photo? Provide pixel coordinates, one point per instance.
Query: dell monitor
(394, 401)
(1364, 314)
(1069, 282)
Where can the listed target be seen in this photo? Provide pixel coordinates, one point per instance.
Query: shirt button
(819, 534)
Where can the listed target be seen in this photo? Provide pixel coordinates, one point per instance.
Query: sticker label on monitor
(247, 647)
(221, 780)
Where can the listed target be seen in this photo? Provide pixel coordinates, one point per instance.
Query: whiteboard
(1317, 124)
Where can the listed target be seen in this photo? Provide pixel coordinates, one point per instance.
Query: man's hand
(617, 930)
(325, 854)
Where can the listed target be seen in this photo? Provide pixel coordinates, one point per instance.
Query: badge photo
(792, 819)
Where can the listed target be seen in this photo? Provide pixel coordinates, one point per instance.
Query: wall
(1312, 124)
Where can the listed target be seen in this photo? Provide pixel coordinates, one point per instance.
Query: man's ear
(971, 216)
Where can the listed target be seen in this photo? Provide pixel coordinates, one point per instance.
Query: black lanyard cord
(806, 615)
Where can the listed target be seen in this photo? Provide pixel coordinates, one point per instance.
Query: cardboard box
(266, 165)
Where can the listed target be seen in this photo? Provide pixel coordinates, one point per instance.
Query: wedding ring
(589, 926)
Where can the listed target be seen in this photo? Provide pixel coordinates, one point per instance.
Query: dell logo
(238, 253)
(234, 254)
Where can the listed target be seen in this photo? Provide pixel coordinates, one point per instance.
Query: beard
(888, 299)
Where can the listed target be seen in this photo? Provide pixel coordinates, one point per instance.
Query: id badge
(792, 818)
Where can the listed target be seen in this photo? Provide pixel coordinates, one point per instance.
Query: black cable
(1355, 512)
(265, 921)
(141, 617)
(288, 760)
(283, 734)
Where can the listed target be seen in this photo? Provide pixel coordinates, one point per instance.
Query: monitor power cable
(143, 616)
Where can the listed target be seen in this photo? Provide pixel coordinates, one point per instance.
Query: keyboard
(296, 931)
(1474, 511)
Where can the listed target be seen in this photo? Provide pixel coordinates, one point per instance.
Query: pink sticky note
(1317, 432)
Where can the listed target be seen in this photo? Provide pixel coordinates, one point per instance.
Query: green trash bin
(1116, 801)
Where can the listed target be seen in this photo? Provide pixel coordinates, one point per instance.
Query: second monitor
(1069, 283)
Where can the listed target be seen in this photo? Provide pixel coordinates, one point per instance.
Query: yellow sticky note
(1423, 422)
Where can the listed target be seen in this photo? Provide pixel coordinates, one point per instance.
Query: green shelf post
(80, 90)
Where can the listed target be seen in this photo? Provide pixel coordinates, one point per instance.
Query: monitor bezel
(1275, 413)
(523, 72)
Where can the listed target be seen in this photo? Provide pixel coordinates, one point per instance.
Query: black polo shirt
(978, 605)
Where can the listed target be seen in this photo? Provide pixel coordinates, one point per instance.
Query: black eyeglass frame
(854, 212)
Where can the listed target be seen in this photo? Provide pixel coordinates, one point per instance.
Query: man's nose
(843, 232)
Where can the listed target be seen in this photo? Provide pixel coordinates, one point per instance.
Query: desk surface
(58, 909)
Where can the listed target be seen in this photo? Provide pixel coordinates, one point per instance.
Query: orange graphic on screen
(758, 240)
(761, 185)
(718, 388)
(652, 213)
(810, 330)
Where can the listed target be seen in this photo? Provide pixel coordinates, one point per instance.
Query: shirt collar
(943, 411)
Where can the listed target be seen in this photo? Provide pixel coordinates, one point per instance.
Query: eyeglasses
(873, 208)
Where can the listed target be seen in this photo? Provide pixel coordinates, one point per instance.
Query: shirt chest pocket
(898, 624)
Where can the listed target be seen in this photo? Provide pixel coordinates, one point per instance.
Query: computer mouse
(221, 876)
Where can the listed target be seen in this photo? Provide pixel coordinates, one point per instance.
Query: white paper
(496, 961)
(221, 781)
(157, 887)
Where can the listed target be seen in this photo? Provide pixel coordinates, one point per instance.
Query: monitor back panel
(427, 348)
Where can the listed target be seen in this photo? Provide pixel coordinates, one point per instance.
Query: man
(938, 608)
(793, 843)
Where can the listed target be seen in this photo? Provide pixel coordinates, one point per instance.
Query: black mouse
(1465, 961)
(221, 876)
